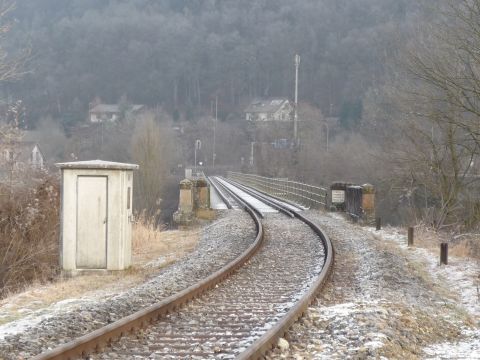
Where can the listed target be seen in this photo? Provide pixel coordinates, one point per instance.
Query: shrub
(29, 234)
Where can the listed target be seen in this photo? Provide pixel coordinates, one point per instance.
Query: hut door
(92, 222)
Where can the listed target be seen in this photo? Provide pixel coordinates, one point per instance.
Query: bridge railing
(300, 193)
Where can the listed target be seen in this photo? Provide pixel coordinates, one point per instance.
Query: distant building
(23, 155)
(277, 109)
(111, 112)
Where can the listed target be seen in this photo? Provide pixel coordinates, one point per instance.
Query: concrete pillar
(202, 194)
(185, 203)
(202, 200)
(184, 215)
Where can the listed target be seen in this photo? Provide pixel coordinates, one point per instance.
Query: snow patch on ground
(469, 348)
(461, 277)
(159, 262)
(19, 325)
(37, 316)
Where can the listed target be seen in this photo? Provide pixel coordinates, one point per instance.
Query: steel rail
(287, 187)
(275, 201)
(269, 340)
(220, 193)
(243, 203)
(281, 200)
(264, 200)
(96, 340)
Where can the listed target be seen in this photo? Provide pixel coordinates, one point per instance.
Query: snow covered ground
(387, 301)
(461, 274)
(462, 277)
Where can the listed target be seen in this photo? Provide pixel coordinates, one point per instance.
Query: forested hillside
(366, 64)
(180, 54)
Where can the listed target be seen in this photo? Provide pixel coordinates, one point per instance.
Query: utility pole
(251, 152)
(214, 132)
(295, 118)
(326, 127)
(198, 146)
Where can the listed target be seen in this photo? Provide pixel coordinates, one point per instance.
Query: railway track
(226, 196)
(238, 312)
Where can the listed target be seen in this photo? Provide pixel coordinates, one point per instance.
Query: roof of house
(113, 108)
(97, 164)
(266, 105)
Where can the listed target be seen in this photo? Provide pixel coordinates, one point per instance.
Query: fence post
(312, 196)
(410, 236)
(378, 224)
(444, 254)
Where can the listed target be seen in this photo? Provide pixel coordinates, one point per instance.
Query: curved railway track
(238, 312)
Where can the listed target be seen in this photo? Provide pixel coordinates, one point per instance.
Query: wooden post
(410, 236)
(444, 254)
(379, 224)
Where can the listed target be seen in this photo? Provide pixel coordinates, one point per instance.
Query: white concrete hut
(96, 215)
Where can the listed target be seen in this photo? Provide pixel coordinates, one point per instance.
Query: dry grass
(150, 242)
(29, 223)
(462, 246)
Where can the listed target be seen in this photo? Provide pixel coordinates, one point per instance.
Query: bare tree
(433, 101)
(152, 149)
(11, 67)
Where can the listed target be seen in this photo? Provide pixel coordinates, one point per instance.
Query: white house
(277, 109)
(24, 155)
(37, 160)
(111, 112)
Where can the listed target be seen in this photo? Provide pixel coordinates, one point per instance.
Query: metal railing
(303, 194)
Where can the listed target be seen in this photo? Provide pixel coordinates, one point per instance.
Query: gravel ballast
(221, 242)
(229, 318)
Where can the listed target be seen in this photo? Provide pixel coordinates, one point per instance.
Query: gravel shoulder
(220, 242)
(386, 301)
